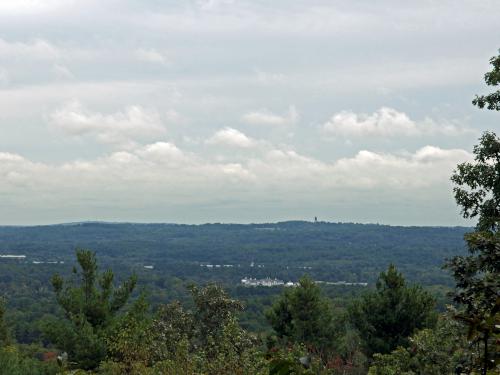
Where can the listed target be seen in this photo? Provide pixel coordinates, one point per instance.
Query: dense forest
(179, 255)
(144, 299)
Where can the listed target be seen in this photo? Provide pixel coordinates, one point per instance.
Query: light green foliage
(492, 78)
(13, 362)
(207, 340)
(386, 317)
(213, 310)
(130, 339)
(439, 351)
(303, 315)
(173, 329)
(90, 307)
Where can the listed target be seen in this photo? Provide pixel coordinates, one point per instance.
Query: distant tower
(315, 219)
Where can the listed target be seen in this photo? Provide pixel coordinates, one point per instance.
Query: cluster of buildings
(23, 258)
(217, 265)
(11, 256)
(248, 281)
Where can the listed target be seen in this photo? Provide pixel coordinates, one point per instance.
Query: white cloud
(62, 72)
(4, 77)
(160, 175)
(427, 167)
(231, 137)
(266, 117)
(153, 165)
(162, 152)
(37, 49)
(151, 55)
(387, 122)
(123, 127)
(213, 4)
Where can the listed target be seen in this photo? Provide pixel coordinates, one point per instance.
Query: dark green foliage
(492, 78)
(4, 332)
(90, 306)
(477, 275)
(477, 184)
(302, 315)
(350, 252)
(386, 317)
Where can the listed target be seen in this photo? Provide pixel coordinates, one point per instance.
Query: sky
(240, 111)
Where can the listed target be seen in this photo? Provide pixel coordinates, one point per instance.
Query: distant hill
(327, 251)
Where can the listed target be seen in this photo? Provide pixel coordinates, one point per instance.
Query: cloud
(31, 6)
(162, 166)
(427, 167)
(387, 122)
(266, 117)
(38, 49)
(267, 78)
(213, 4)
(231, 137)
(4, 77)
(62, 72)
(162, 152)
(160, 177)
(151, 56)
(119, 128)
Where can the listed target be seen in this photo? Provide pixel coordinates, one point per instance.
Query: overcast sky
(239, 111)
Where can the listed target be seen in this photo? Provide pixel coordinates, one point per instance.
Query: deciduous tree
(477, 275)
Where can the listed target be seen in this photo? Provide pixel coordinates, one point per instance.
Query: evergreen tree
(386, 317)
(90, 308)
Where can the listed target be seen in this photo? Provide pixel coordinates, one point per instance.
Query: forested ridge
(325, 251)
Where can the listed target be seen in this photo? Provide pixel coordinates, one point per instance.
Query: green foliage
(209, 337)
(439, 351)
(90, 309)
(386, 317)
(214, 309)
(130, 339)
(477, 184)
(173, 328)
(207, 340)
(492, 78)
(12, 362)
(477, 275)
(303, 315)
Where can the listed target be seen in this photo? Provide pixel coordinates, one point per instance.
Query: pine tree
(90, 308)
(386, 317)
